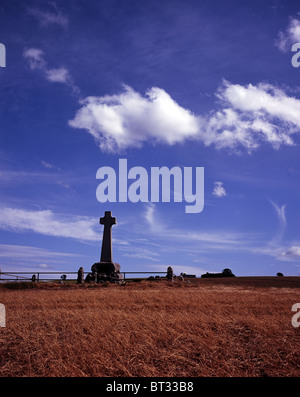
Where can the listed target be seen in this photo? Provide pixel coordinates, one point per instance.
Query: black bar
(190, 385)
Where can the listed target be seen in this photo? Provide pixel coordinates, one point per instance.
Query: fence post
(38, 277)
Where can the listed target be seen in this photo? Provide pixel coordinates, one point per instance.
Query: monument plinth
(106, 269)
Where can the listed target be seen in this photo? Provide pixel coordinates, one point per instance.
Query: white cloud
(254, 114)
(50, 17)
(128, 119)
(261, 100)
(293, 252)
(35, 57)
(219, 190)
(48, 223)
(290, 36)
(60, 75)
(249, 116)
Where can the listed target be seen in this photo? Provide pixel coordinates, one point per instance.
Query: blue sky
(174, 83)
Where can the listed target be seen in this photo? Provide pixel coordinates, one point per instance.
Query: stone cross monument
(106, 269)
(106, 251)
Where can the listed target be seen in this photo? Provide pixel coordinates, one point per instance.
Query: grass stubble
(150, 329)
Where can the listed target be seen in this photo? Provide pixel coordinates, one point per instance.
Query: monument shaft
(106, 251)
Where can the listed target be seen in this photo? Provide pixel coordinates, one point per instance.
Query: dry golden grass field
(213, 327)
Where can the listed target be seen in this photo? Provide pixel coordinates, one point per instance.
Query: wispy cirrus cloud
(36, 60)
(48, 223)
(276, 247)
(49, 15)
(280, 211)
(50, 166)
(20, 258)
(208, 239)
(248, 117)
(207, 242)
(35, 57)
(35, 254)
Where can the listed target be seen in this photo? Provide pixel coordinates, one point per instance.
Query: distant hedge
(19, 285)
(225, 273)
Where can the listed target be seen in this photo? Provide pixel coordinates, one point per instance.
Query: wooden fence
(41, 276)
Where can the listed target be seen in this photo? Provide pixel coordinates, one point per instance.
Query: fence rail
(21, 276)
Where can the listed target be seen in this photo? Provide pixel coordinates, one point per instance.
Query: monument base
(104, 271)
